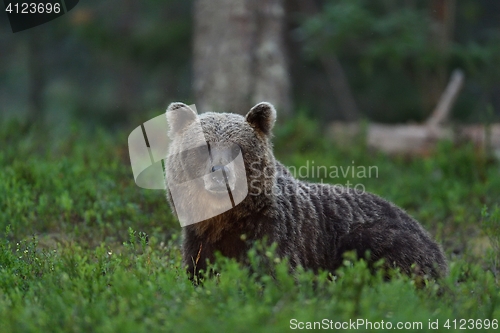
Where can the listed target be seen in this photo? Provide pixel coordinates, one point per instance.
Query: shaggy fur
(312, 224)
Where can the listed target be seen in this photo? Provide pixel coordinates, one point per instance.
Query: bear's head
(219, 162)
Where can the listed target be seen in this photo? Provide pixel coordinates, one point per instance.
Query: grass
(85, 250)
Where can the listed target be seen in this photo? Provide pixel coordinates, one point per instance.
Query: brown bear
(312, 224)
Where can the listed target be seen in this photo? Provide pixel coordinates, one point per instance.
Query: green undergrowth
(142, 288)
(75, 184)
(83, 249)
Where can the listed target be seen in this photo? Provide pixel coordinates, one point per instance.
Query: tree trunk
(239, 56)
(271, 77)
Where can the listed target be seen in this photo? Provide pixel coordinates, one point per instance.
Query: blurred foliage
(108, 61)
(393, 55)
(146, 35)
(102, 62)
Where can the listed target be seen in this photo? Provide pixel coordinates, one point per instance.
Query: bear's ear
(179, 115)
(262, 117)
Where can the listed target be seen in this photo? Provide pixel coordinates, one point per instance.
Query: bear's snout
(220, 167)
(221, 175)
(218, 180)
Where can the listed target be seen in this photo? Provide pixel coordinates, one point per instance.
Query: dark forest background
(387, 61)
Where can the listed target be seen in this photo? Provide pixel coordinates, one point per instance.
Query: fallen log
(420, 139)
(414, 139)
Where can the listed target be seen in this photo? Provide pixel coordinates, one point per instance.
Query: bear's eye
(235, 151)
(230, 151)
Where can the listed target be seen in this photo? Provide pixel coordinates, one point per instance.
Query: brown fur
(313, 224)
